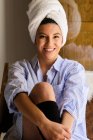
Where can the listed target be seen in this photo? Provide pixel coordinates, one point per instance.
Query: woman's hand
(55, 131)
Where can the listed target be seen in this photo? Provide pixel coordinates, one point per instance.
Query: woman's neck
(45, 66)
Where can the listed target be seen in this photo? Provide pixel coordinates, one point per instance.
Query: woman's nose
(50, 42)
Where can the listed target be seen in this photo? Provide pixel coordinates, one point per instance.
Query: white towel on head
(39, 9)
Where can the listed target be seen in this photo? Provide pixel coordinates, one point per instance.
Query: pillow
(89, 78)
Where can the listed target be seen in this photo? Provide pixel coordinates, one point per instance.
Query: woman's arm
(74, 95)
(49, 129)
(28, 109)
(67, 120)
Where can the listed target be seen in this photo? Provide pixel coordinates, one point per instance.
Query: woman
(47, 94)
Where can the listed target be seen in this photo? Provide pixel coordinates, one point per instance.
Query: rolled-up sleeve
(16, 83)
(75, 91)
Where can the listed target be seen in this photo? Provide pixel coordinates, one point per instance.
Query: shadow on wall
(18, 43)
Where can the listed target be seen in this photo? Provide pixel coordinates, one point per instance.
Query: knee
(42, 91)
(42, 87)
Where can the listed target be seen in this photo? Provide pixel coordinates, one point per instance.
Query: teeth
(49, 50)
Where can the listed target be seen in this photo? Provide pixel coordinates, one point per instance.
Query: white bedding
(2, 135)
(89, 76)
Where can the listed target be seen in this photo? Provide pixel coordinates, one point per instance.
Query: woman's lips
(49, 50)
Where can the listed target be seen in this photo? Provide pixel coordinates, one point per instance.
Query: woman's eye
(56, 36)
(41, 36)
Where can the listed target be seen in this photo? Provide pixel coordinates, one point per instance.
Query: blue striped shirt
(68, 80)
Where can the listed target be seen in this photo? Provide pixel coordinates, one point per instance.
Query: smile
(49, 50)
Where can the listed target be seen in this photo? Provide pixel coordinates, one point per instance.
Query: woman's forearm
(29, 109)
(67, 120)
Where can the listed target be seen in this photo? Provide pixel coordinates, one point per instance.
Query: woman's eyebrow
(41, 33)
(57, 33)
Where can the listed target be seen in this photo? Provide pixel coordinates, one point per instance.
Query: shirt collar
(34, 62)
(56, 65)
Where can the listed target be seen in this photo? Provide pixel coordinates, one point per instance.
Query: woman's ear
(35, 39)
(62, 40)
(61, 44)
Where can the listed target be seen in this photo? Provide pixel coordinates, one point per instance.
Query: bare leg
(30, 131)
(40, 93)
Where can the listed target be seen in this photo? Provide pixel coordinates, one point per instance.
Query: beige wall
(14, 37)
(80, 48)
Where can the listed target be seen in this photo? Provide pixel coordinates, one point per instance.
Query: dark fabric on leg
(51, 111)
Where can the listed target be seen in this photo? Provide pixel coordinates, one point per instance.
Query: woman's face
(48, 41)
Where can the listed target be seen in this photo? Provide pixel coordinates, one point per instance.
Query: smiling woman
(48, 42)
(48, 93)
